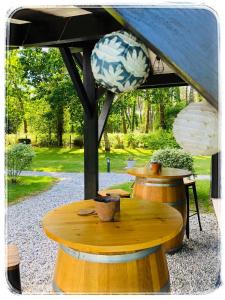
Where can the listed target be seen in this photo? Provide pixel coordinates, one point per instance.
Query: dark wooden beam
(75, 77)
(78, 59)
(215, 176)
(48, 30)
(185, 38)
(39, 26)
(90, 131)
(15, 34)
(163, 80)
(100, 92)
(102, 120)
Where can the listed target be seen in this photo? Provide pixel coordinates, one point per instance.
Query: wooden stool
(122, 193)
(217, 208)
(13, 270)
(191, 184)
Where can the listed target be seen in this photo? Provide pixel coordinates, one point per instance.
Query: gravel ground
(193, 270)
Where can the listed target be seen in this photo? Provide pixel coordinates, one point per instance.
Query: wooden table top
(142, 224)
(13, 256)
(165, 173)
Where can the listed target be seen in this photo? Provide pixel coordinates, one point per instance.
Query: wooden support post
(215, 176)
(104, 114)
(78, 59)
(90, 131)
(100, 92)
(75, 77)
(93, 127)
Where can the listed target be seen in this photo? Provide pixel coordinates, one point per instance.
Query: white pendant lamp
(196, 129)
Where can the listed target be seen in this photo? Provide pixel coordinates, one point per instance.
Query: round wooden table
(167, 187)
(123, 256)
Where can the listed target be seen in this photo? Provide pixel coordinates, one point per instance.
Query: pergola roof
(74, 27)
(185, 39)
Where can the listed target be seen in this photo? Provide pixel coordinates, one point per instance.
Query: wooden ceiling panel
(48, 30)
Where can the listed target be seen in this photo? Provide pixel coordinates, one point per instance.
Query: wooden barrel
(170, 191)
(120, 257)
(143, 271)
(13, 269)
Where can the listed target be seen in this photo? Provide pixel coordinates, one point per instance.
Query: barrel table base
(170, 192)
(142, 272)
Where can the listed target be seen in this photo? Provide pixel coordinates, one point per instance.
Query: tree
(41, 97)
(165, 98)
(45, 70)
(17, 93)
(123, 116)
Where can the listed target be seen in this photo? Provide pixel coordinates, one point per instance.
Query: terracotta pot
(115, 198)
(155, 167)
(106, 210)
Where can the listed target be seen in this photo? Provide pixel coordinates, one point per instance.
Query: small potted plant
(155, 166)
(131, 162)
(107, 206)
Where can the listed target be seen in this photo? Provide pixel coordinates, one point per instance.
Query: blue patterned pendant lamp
(120, 62)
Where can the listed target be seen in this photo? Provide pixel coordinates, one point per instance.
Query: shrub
(44, 140)
(160, 139)
(19, 158)
(174, 158)
(119, 141)
(78, 142)
(24, 141)
(10, 139)
(116, 141)
(68, 139)
(133, 140)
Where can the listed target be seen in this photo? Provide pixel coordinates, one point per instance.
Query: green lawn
(203, 191)
(27, 186)
(71, 160)
(202, 165)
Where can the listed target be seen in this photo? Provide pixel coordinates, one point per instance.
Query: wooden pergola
(186, 39)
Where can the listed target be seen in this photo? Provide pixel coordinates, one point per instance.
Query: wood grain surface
(141, 224)
(13, 256)
(170, 191)
(165, 173)
(146, 275)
